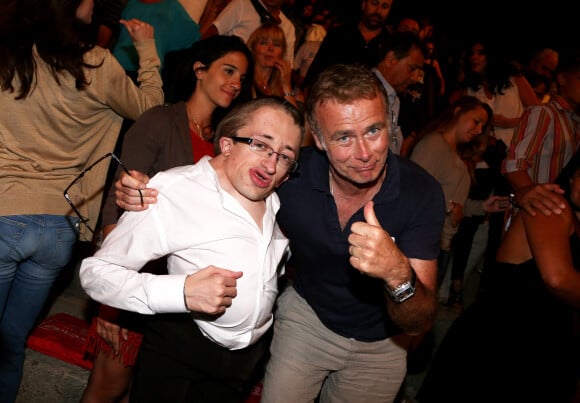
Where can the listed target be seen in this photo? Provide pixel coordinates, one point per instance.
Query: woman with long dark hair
(63, 100)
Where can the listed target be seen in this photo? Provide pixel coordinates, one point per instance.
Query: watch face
(404, 292)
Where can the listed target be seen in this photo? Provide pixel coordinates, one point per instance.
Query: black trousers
(462, 242)
(177, 363)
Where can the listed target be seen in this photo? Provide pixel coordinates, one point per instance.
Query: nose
(270, 162)
(363, 150)
(236, 82)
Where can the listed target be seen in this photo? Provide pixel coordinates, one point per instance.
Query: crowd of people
(276, 195)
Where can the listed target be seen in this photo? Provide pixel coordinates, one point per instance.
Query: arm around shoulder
(527, 94)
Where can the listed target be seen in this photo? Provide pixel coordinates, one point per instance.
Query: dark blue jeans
(33, 251)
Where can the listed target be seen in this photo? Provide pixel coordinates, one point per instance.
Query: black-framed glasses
(85, 220)
(259, 147)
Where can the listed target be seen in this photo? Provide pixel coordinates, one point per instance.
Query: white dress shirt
(196, 224)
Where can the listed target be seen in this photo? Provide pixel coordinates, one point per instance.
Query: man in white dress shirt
(216, 223)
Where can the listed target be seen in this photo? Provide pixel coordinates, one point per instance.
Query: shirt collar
(391, 93)
(272, 201)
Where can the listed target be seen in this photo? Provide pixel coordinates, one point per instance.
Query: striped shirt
(544, 140)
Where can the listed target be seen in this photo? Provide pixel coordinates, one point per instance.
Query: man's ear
(319, 144)
(226, 144)
(390, 58)
(560, 79)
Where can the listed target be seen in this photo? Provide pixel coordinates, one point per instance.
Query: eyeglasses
(259, 147)
(85, 220)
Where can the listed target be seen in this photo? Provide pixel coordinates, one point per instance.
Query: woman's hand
(138, 30)
(285, 73)
(495, 204)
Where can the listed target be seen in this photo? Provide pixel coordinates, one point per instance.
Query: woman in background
(437, 152)
(498, 83)
(63, 101)
(472, 245)
(272, 73)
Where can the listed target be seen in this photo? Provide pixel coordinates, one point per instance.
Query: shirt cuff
(166, 293)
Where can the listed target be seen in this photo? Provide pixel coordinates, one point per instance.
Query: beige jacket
(48, 138)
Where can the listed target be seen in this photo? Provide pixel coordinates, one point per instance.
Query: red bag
(61, 336)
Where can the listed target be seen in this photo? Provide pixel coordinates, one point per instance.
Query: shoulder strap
(265, 15)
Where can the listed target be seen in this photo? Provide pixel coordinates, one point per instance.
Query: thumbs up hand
(373, 251)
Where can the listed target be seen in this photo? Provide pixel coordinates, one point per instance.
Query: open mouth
(260, 179)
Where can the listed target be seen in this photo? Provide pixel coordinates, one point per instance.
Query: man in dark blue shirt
(364, 228)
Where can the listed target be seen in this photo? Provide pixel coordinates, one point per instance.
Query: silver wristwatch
(404, 291)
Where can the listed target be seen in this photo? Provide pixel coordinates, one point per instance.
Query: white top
(395, 132)
(481, 95)
(437, 157)
(197, 224)
(305, 55)
(508, 104)
(240, 18)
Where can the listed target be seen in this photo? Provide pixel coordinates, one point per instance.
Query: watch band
(404, 291)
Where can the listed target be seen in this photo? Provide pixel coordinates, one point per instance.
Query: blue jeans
(33, 251)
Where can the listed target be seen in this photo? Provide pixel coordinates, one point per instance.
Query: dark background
(517, 27)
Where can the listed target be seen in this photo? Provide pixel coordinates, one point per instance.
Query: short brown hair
(239, 116)
(343, 83)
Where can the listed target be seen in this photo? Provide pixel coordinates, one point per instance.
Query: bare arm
(549, 242)
(286, 81)
(417, 316)
(439, 73)
(210, 31)
(374, 253)
(519, 180)
(527, 94)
